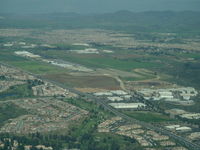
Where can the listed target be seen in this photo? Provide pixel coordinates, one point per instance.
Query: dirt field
(91, 90)
(101, 82)
(148, 84)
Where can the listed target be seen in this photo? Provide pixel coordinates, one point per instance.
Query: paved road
(103, 103)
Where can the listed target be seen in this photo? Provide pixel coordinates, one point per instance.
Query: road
(107, 107)
(121, 83)
(103, 103)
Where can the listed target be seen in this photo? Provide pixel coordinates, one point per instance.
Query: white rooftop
(103, 94)
(127, 105)
(183, 129)
(115, 98)
(119, 92)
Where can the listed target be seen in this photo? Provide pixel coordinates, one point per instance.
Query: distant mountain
(166, 21)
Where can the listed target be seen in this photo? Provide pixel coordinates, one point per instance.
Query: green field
(9, 111)
(101, 61)
(195, 56)
(17, 91)
(148, 116)
(29, 65)
(37, 67)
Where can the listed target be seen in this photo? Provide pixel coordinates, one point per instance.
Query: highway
(103, 103)
(107, 107)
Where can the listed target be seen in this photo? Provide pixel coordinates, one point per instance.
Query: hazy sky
(95, 6)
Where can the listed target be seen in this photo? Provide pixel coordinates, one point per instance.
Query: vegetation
(102, 61)
(26, 64)
(86, 134)
(98, 141)
(37, 67)
(2, 77)
(17, 91)
(69, 47)
(186, 74)
(9, 111)
(148, 116)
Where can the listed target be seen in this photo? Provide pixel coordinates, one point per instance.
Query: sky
(95, 6)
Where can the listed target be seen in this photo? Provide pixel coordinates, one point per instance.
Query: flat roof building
(127, 105)
(115, 98)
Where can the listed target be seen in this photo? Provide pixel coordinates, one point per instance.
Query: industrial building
(127, 105)
(181, 95)
(191, 116)
(115, 98)
(27, 54)
(178, 128)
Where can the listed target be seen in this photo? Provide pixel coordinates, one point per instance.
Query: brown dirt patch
(148, 84)
(101, 82)
(90, 90)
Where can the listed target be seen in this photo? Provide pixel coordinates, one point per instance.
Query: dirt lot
(148, 84)
(102, 82)
(91, 90)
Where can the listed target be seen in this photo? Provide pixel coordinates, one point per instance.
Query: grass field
(17, 91)
(195, 56)
(29, 65)
(148, 116)
(8, 111)
(111, 141)
(37, 67)
(101, 61)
